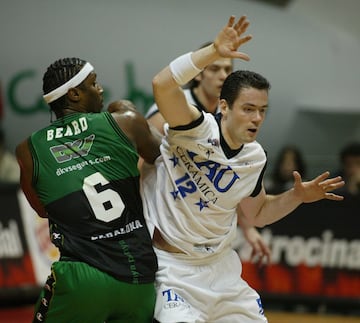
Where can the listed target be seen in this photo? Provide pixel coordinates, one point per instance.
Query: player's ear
(198, 77)
(224, 107)
(73, 94)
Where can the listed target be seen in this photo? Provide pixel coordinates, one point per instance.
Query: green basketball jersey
(86, 175)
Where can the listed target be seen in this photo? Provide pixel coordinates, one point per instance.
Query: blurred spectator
(350, 169)
(281, 179)
(9, 168)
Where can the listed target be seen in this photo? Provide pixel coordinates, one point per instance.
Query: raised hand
(231, 37)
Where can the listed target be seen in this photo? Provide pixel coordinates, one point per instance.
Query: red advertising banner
(315, 254)
(15, 261)
(26, 252)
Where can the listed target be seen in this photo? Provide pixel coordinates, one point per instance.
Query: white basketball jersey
(192, 196)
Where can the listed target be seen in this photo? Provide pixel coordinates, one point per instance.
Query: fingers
(325, 183)
(241, 20)
(231, 21)
(231, 37)
(322, 177)
(266, 254)
(327, 187)
(331, 181)
(244, 39)
(260, 259)
(331, 184)
(242, 56)
(333, 197)
(261, 253)
(240, 26)
(297, 177)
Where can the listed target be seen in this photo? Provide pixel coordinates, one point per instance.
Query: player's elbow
(260, 224)
(164, 81)
(157, 83)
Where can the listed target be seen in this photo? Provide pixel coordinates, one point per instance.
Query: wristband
(183, 69)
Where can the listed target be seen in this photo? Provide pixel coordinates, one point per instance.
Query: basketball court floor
(24, 315)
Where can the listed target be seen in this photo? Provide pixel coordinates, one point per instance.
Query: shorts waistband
(181, 258)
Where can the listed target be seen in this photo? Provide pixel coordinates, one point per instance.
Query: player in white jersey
(210, 168)
(203, 92)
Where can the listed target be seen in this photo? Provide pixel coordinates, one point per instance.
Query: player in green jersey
(81, 173)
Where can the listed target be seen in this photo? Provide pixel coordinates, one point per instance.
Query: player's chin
(251, 136)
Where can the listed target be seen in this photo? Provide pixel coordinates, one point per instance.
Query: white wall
(312, 63)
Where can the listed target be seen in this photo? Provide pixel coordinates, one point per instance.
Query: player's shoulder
(121, 106)
(255, 148)
(124, 111)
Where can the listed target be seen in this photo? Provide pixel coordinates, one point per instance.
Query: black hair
(298, 158)
(57, 74)
(351, 149)
(238, 80)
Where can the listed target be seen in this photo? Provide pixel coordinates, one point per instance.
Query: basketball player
(203, 92)
(81, 173)
(210, 167)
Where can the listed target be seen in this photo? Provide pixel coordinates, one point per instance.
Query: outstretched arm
(266, 209)
(167, 83)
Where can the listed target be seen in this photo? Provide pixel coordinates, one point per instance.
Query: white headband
(73, 82)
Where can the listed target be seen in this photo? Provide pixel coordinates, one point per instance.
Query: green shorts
(77, 292)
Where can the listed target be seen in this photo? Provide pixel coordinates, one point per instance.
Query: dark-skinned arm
(134, 125)
(25, 161)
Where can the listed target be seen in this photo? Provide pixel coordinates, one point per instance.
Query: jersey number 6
(105, 202)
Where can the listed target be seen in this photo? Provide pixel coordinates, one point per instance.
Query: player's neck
(231, 142)
(210, 103)
(70, 110)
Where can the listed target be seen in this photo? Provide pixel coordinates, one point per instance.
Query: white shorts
(192, 290)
